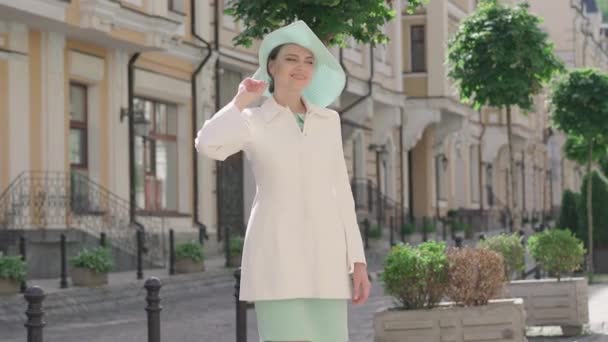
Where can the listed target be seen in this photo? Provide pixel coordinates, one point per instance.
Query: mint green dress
(302, 319)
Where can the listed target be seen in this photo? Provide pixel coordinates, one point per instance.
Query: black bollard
(171, 252)
(35, 323)
(241, 309)
(22, 252)
(153, 286)
(140, 244)
(537, 272)
(63, 282)
(482, 237)
(102, 239)
(366, 232)
(202, 234)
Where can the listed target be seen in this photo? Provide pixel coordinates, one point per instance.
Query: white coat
(302, 236)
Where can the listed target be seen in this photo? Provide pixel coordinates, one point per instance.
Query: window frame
(422, 29)
(172, 8)
(81, 126)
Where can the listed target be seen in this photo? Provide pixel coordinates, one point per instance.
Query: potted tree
(236, 250)
(512, 251)
(12, 273)
(561, 300)
(189, 257)
(90, 267)
(419, 277)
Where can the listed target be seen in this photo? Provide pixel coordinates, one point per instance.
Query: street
(210, 316)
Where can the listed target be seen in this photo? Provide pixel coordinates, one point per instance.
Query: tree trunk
(590, 209)
(512, 204)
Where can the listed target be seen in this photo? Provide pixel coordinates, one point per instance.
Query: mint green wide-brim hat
(328, 78)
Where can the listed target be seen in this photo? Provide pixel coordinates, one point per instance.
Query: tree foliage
(333, 21)
(500, 57)
(600, 214)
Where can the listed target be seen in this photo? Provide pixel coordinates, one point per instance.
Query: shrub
(408, 229)
(558, 251)
(375, 232)
(190, 250)
(416, 276)
(568, 214)
(12, 267)
(475, 275)
(236, 244)
(429, 226)
(511, 249)
(98, 259)
(600, 214)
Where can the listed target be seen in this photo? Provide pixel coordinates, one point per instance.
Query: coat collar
(270, 108)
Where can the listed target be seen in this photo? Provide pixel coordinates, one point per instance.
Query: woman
(302, 241)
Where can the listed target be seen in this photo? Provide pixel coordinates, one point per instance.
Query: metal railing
(73, 201)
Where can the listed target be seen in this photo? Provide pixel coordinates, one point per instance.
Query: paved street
(210, 316)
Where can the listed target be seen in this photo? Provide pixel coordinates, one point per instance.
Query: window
(418, 46)
(156, 157)
(178, 6)
(78, 126)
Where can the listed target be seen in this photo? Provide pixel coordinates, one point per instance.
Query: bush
(236, 244)
(416, 276)
(558, 251)
(408, 229)
(475, 275)
(600, 214)
(429, 226)
(511, 249)
(12, 267)
(98, 259)
(568, 215)
(375, 232)
(190, 250)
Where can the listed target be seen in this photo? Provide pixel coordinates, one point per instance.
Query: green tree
(332, 20)
(499, 57)
(579, 108)
(568, 215)
(600, 214)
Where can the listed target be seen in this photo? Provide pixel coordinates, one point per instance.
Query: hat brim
(328, 78)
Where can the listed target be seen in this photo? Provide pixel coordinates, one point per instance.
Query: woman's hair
(271, 57)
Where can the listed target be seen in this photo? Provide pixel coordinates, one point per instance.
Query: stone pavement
(201, 308)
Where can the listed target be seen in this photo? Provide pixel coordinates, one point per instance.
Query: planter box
(187, 265)
(549, 302)
(235, 260)
(9, 287)
(500, 320)
(85, 277)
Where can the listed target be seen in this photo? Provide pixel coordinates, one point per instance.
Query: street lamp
(141, 125)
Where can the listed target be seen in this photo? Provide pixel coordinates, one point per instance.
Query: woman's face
(293, 68)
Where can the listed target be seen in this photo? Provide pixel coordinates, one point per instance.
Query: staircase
(36, 200)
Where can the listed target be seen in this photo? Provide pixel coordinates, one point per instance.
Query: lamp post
(442, 159)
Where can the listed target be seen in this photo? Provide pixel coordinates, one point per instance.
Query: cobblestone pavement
(209, 316)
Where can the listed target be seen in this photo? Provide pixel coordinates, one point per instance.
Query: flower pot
(9, 287)
(235, 260)
(82, 276)
(549, 302)
(500, 320)
(187, 265)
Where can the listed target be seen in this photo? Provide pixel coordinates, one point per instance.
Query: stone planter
(235, 260)
(187, 265)
(86, 277)
(549, 302)
(500, 320)
(9, 287)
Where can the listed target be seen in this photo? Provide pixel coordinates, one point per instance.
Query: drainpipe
(402, 167)
(218, 164)
(369, 81)
(131, 130)
(195, 217)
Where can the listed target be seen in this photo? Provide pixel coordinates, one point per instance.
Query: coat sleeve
(346, 203)
(224, 134)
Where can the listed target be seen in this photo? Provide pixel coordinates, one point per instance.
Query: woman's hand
(249, 90)
(361, 283)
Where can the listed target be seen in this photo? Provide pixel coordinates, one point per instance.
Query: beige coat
(302, 238)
